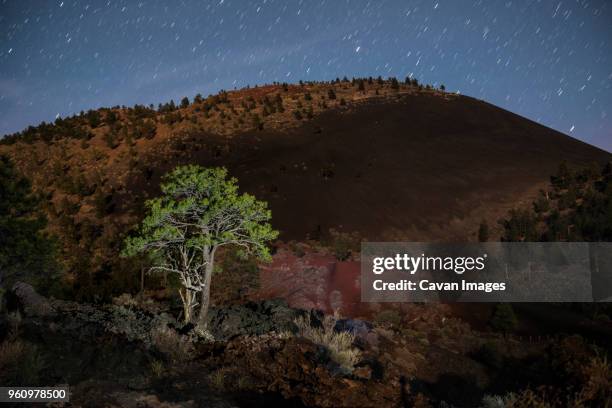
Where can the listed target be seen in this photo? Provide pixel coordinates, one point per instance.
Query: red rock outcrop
(312, 279)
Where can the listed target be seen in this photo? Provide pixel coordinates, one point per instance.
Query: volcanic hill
(386, 159)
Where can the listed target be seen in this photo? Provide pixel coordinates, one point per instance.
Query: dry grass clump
(593, 389)
(339, 344)
(217, 379)
(11, 352)
(171, 344)
(125, 300)
(389, 317)
(21, 363)
(597, 377)
(157, 368)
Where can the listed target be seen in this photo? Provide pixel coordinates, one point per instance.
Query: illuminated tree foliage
(199, 211)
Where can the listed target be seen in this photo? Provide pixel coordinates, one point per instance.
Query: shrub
(520, 226)
(103, 203)
(171, 344)
(389, 317)
(111, 140)
(591, 386)
(498, 401)
(125, 300)
(344, 244)
(339, 344)
(257, 122)
(596, 378)
(10, 353)
(297, 249)
(483, 232)
(20, 363)
(157, 368)
(217, 379)
(491, 355)
(309, 113)
(503, 318)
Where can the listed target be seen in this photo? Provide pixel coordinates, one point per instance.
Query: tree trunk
(1, 292)
(142, 279)
(187, 299)
(203, 316)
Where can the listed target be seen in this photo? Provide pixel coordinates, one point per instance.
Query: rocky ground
(119, 356)
(257, 354)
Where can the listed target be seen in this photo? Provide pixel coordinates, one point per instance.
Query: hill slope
(419, 167)
(387, 160)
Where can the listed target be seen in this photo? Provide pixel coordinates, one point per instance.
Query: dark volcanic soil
(429, 166)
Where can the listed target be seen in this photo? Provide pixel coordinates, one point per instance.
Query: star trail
(549, 61)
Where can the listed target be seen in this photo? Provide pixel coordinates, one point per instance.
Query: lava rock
(32, 304)
(252, 318)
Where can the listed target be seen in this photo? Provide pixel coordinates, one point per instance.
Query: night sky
(550, 61)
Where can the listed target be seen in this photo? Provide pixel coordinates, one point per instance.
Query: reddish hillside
(387, 160)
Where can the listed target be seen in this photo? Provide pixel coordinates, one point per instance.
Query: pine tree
(483, 232)
(26, 252)
(503, 320)
(257, 123)
(200, 211)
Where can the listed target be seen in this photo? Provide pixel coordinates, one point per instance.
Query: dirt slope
(418, 167)
(388, 160)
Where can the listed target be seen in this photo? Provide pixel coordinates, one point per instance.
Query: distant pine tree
(503, 319)
(257, 123)
(483, 232)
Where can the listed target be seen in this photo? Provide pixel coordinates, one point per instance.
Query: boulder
(361, 329)
(32, 304)
(252, 318)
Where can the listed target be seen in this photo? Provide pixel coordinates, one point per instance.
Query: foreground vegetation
(199, 213)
